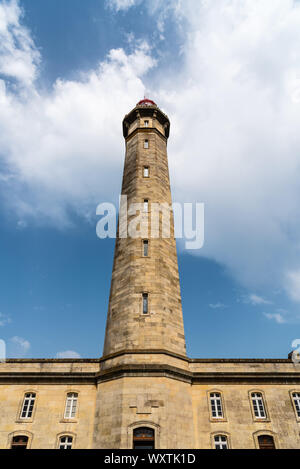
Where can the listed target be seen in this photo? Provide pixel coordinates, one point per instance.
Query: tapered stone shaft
(145, 310)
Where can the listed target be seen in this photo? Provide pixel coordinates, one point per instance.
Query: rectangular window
(146, 123)
(296, 398)
(28, 404)
(216, 405)
(258, 405)
(65, 442)
(145, 248)
(71, 405)
(146, 171)
(146, 144)
(146, 205)
(266, 442)
(221, 442)
(145, 303)
(19, 442)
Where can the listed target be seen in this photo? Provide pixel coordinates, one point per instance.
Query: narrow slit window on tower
(146, 144)
(146, 123)
(146, 205)
(146, 171)
(145, 303)
(145, 248)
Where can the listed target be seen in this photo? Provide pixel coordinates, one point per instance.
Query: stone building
(145, 392)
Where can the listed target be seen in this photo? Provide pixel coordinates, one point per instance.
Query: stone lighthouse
(144, 392)
(145, 303)
(144, 330)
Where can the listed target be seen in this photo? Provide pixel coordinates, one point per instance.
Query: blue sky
(228, 76)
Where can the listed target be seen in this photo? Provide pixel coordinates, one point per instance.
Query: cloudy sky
(227, 73)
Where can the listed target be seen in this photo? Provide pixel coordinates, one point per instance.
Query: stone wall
(48, 422)
(166, 392)
(156, 402)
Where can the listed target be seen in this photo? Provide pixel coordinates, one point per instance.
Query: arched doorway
(266, 442)
(19, 442)
(143, 438)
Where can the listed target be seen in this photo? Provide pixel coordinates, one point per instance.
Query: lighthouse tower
(145, 304)
(141, 402)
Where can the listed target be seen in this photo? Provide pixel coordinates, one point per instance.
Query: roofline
(189, 360)
(51, 360)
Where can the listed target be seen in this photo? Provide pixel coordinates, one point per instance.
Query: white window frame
(216, 405)
(258, 405)
(146, 205)
(296, 400)
(71, 405)
(28, 406)
(146, 144)
(146, 248)
(146, 171)
(67, 444)
(221, 442)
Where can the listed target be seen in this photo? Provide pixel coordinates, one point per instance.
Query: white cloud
(68, 354)
(21, 224)
(235, 141)
(19, 57)
(275, 317)
(282, 310)
(257, 300)
(234, 105)
(61, 148)
(122, 4)
(293, 285)
(217, 306)
(4, 320)
(19, 347)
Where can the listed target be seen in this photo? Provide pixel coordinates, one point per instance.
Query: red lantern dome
(146, 102)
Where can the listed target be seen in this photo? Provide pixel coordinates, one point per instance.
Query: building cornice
(146, 352)
(143, 352)
(167, 371)
(150, 370)
(51, 360)
(192, 360)
(47, 377)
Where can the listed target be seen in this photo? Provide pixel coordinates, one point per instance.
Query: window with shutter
(19, 442)
(266, 442)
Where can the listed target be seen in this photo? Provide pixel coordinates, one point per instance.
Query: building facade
(145, 392)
